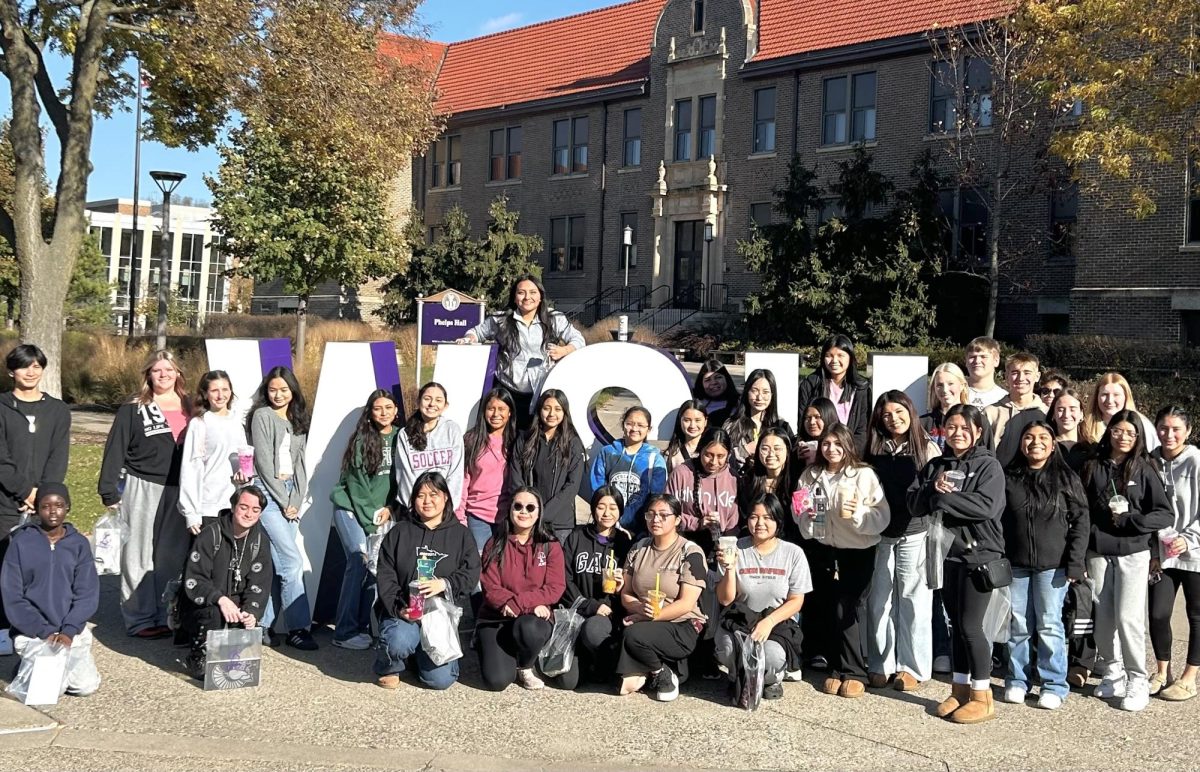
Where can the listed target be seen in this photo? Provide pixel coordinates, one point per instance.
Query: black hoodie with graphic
(450, 544)
(585, 553)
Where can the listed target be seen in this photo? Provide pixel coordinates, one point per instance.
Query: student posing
(485, 474)
(631, 465)
(549, 457)
(428, 442)
(209, 469)
(837, 378)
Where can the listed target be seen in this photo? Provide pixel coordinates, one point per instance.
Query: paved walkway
(321, 711)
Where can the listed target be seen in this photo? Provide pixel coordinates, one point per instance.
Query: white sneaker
(1049, 701)
(360, 642)
(1137, 695)
(664, 685)
(6, 647)
(527, 680)
(1108, 688)
(793, 675)
(941, 664)
(1015, 695)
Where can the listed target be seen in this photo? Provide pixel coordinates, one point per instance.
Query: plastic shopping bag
(558, 655)
(108, 538)
(754, 665)
(233, 658)
(439, 630)
(42, 676)
(998, 617)
(374, 542)
(937, 546)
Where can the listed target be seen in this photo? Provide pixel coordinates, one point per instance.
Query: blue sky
(112, 143)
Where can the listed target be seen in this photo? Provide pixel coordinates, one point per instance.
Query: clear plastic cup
(656, 599)
(416, 601)
(956, 479)
(246, 460)
(728, 546)
(609, 584)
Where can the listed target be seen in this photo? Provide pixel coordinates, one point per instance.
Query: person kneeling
(429, 555)
(227, 577)
(50, 587)
(762, 585)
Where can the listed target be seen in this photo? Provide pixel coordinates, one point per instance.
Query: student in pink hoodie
(523, 577)
(486, 447)
(707, 489)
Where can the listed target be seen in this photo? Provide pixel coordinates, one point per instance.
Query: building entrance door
(689, 263)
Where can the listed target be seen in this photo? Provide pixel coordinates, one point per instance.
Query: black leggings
(819, 635)
(506, 646)
(1162, 604)
(970, 650)
(595, 651)
(645, 645)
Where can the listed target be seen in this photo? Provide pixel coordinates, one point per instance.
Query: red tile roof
(424, 54)
(790, 27)
(587, 51)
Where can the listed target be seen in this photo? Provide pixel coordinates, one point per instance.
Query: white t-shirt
(982, 399)
(766, 581)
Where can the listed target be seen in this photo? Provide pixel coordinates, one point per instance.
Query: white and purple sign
(446, 318)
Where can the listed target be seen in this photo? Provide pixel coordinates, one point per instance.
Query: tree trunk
(993, 260)
(43, 293)
(301, 325)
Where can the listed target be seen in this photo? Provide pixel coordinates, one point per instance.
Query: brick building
(673, 121)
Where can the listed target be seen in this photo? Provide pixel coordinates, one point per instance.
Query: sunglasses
(530, 508)
(1049, 392)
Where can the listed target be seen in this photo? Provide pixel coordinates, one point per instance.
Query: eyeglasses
(1128, 433)
(530, 508)
(658, 515)
(642, 427)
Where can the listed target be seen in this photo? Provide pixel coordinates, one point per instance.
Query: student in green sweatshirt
(360, 501)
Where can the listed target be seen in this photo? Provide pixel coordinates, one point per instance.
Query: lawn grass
(82, 474)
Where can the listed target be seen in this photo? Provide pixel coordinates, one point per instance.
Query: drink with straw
(609, 584)
(656, 597)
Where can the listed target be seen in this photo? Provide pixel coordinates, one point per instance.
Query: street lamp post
(627, 240)
(708, 239)
(167, 182)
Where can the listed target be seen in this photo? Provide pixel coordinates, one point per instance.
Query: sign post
(444, 317)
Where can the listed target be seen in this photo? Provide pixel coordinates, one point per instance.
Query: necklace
(235, 562)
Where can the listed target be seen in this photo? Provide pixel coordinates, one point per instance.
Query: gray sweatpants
(154, 554)
(776, 658)
(1121, 613)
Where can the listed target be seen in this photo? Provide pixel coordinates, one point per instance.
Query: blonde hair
(955, 372)
(145, 395)
(1093, 420)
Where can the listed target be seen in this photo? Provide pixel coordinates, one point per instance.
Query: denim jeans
(900, 608)
(358, 584)
(1037, 603)
(399, 640)
(480, 529)
(288, 585)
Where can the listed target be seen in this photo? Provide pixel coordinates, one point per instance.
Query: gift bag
(754, 668)
(110, 534)
(439, 630)
(558, 655)
(374, 542)
(233, 658)
(42, 676)
(937, 546)
(998, 617)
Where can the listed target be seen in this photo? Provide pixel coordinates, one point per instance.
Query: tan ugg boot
(959, 695)
(978, 710)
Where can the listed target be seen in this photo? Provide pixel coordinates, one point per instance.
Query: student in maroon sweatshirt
(523, 577)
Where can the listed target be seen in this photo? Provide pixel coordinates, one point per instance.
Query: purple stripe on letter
(275, 352)
(387, 371)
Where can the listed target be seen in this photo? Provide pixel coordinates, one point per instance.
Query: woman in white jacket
(1178, 551)
(841, 503)
(209, 471)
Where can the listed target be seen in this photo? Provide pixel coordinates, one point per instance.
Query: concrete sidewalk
(322, 711)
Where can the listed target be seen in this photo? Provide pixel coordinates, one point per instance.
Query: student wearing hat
(51, 589)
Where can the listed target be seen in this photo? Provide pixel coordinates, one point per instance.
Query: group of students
(815, 543)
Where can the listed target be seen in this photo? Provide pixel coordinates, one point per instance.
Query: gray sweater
(443, 453)
(267, 431)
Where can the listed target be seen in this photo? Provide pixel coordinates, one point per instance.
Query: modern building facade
(671, 122)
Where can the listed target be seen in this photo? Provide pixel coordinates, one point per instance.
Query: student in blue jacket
(631, 465)
(51, 589)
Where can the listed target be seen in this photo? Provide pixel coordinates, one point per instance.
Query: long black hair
(1137, 458)
(1043, 486)
(878, 435)
(414, 427)
(297, 409)
(714, 436)
(678, 443)
(740, 425)
(713, 365)
(841, 343)
(828, 412)
(565, 437)
(541, 534)
(476, 438)
(509, 335)
(200, 405)
(754, 473)
(367, 438)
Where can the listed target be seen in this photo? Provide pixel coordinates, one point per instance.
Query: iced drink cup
(609, 585)
(246, 460)
(416, 602)
(728, 546)
(656, 599)
(1118, 505)
(956, 479)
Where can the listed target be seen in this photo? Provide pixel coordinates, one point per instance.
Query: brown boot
(978, 710)
(905, 682)
(959, 695)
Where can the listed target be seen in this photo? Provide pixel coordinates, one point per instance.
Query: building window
(835, 111)
(628, 220)
(444, 163)
(104, 239)
(708, 127)
(1064, 213)
(191, 255)
(862, 106)
(436, 232)
(1189, 328)
(1193, 207)
(633, 137)
(217, 296)
(760, 214)
(764, 120)
(683, 130)
(566, 244)
(944, 98)
(571, 146)
(966, 213)
(505, 152)
(697, 17)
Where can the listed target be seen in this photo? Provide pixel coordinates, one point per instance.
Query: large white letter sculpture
(247, 360)
(785, 366)
(908, 373)
(467, 373)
